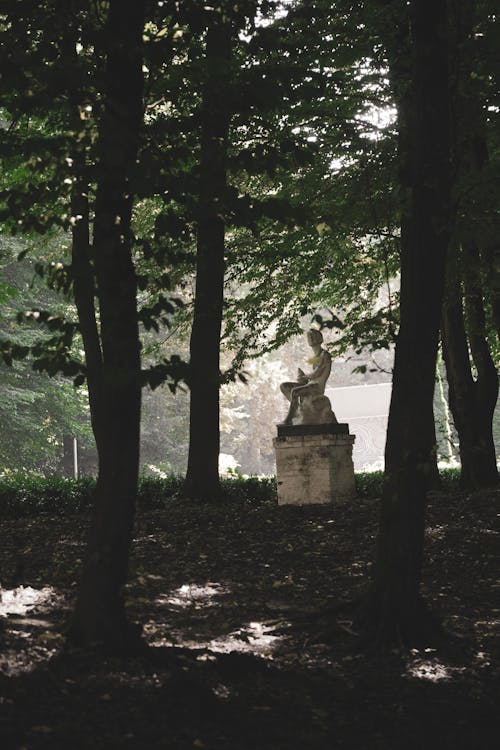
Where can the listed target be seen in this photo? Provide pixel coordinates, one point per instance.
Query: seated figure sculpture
(308, 403)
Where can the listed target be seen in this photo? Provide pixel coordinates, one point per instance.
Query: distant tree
(233, 183)
(202, 478)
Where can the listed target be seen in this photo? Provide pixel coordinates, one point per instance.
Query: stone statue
(308, 404)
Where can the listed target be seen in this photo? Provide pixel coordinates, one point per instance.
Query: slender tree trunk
(461, 386)
(486, 382)
(68, 468)
(84, 292)
(472, 399)
(472, 155)
(394, 611)
(443, 401)
(472, 402)
(83, 273)
(202, 479)
(99, 617)
(491, 260)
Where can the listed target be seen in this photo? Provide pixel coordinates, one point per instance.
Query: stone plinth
(314, 464)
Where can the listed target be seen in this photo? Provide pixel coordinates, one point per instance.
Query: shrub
(450, 479)
(154, 491)
(30, 494)
(369, 484)
(250, 489)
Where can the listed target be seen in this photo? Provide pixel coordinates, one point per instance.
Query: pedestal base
(315, 468)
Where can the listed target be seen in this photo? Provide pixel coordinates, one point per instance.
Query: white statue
(308, 404)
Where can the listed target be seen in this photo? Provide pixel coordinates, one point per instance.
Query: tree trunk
(458, 370)
(472, 399)
(394, 611)
(84, 291)
(202, 478)
(472, 154)
(394, 27)
(68, 466)
(486, 383)
(99, 617)
(472, 409)
(491, 260)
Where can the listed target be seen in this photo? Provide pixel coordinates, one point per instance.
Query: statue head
(314, 337)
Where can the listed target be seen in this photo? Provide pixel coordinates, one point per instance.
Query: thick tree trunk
(202, 478)
(394, 611)
(394, 27)
(99, 617)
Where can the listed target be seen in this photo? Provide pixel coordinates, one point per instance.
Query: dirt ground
(211, 585)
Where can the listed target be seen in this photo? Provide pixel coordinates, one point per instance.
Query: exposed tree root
(117, 637)
(385, 624)
(322, 626)
(374, 626)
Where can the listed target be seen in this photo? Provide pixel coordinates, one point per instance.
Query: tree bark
(99, 617)
(84, 292)
(202, 478)
(486, 382)
(68, 469)
(394, 610)
(394, 27)
(472, 402)
(82, 270)
(472, 153)
(472, 399)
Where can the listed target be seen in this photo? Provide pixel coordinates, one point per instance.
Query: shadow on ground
(209, 585)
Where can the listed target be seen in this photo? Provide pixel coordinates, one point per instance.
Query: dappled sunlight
(483, 659)
(34, 640)
(14, 662)
(222, 691)
(488, 625)
(193, 595)
(24, 599)
(252, 638)
(494, 532)
(432, 670)
(436, 532)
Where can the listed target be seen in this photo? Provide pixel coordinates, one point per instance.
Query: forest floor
(209, 584)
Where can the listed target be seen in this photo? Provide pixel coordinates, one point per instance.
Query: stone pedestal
(314, 464)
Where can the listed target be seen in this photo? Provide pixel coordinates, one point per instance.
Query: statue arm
(301, 376)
